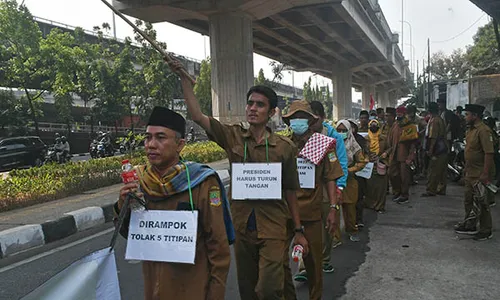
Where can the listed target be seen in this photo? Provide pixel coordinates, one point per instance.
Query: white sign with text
(162, 235)
(256, 181)
(307, 173)
(367, 171)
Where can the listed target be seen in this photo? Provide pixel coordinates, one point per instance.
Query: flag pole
(153, 43)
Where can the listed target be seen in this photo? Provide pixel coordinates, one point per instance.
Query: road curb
(22, 238)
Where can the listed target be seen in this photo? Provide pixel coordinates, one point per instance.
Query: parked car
(21, 152)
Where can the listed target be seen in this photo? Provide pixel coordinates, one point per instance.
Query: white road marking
(55, 250)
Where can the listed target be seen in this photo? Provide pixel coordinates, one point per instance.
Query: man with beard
(310, 198)
(401, 153)
(261, 224)
(479, 168)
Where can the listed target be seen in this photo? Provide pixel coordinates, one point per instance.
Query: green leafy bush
(49, 182)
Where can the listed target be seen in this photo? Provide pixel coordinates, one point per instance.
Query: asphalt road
(37, 266)
(411, 252)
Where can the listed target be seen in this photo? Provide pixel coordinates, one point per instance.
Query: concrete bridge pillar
(342, 93)
(367, 91)
(231, 49)
(383, 98)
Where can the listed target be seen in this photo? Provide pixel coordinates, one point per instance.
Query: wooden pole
(153, 43)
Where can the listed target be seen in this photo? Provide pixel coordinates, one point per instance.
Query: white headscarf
(351, 145)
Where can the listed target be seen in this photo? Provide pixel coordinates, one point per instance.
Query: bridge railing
(58, 127)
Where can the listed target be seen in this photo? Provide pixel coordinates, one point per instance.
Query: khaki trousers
(259, 264)
(437, 174)
(400, 177)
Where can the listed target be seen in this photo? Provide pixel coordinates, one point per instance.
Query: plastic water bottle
(130, 175)
(297, 253)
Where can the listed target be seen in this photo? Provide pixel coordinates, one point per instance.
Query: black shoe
(402, 200)
(382, 211)
(328, 268)
(462, 229)
(483, 236)
(395, 197)
(428, 194)
(493, 204)
(360, 225)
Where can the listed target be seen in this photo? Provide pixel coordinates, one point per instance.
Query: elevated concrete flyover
(348, 41)
(491, 7)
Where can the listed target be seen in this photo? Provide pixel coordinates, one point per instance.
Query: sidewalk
(413, 253)
(36, 225)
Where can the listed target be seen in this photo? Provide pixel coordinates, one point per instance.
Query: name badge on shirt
(256, 181)
(162, 235)
(307, 173)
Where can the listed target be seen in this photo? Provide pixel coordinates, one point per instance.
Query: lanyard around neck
(189, 186)
(267, 152)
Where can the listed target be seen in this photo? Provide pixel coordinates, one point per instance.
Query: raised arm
(192, 104)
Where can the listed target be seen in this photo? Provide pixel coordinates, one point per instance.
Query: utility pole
(402, 29)
(114, 26)
(429, 65)
(425, 86)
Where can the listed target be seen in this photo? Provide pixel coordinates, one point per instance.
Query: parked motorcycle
(456, 162)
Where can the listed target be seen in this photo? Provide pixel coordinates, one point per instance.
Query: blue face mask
(299, 126)
(343, 135)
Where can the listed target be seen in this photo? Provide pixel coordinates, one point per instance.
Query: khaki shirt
(479, 141)
(271, 215)
(310, 200)
(206, 279)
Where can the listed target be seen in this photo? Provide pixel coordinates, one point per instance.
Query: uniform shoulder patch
(214, 196)
(332, 157)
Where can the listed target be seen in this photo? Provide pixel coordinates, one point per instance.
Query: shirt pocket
(238, 153)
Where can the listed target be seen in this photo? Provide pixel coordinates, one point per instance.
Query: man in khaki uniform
(301, 120)
(479, 168)
(261, 225)
(436, 150)
(401, 154)
(206, 279)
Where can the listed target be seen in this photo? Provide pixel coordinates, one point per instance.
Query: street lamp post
(411, 43)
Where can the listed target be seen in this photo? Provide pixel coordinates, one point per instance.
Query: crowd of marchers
(345, 167)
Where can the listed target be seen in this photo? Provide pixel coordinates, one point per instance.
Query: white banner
(162, 235)
(256, 181)
(307, 173)
(366, 172)
(93, 277)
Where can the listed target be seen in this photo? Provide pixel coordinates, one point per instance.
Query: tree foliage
(449, 67)
(261, 78)
(203, 87)
(484, 51)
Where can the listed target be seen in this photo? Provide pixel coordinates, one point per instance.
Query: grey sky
(437, 19)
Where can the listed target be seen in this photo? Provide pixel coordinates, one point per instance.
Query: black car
(20, 152)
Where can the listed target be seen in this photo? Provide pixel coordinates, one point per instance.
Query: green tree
(203, 87)
(484, 52)
(86, 56)
(307, 91)
(449, 67)
(22, 64)
(277, 69)
(328, 103)
(261, 79)
(157, 84)
(11, 111)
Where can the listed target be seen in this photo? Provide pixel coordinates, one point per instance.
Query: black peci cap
(162, 116)
(390, 110)
(474, 108)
